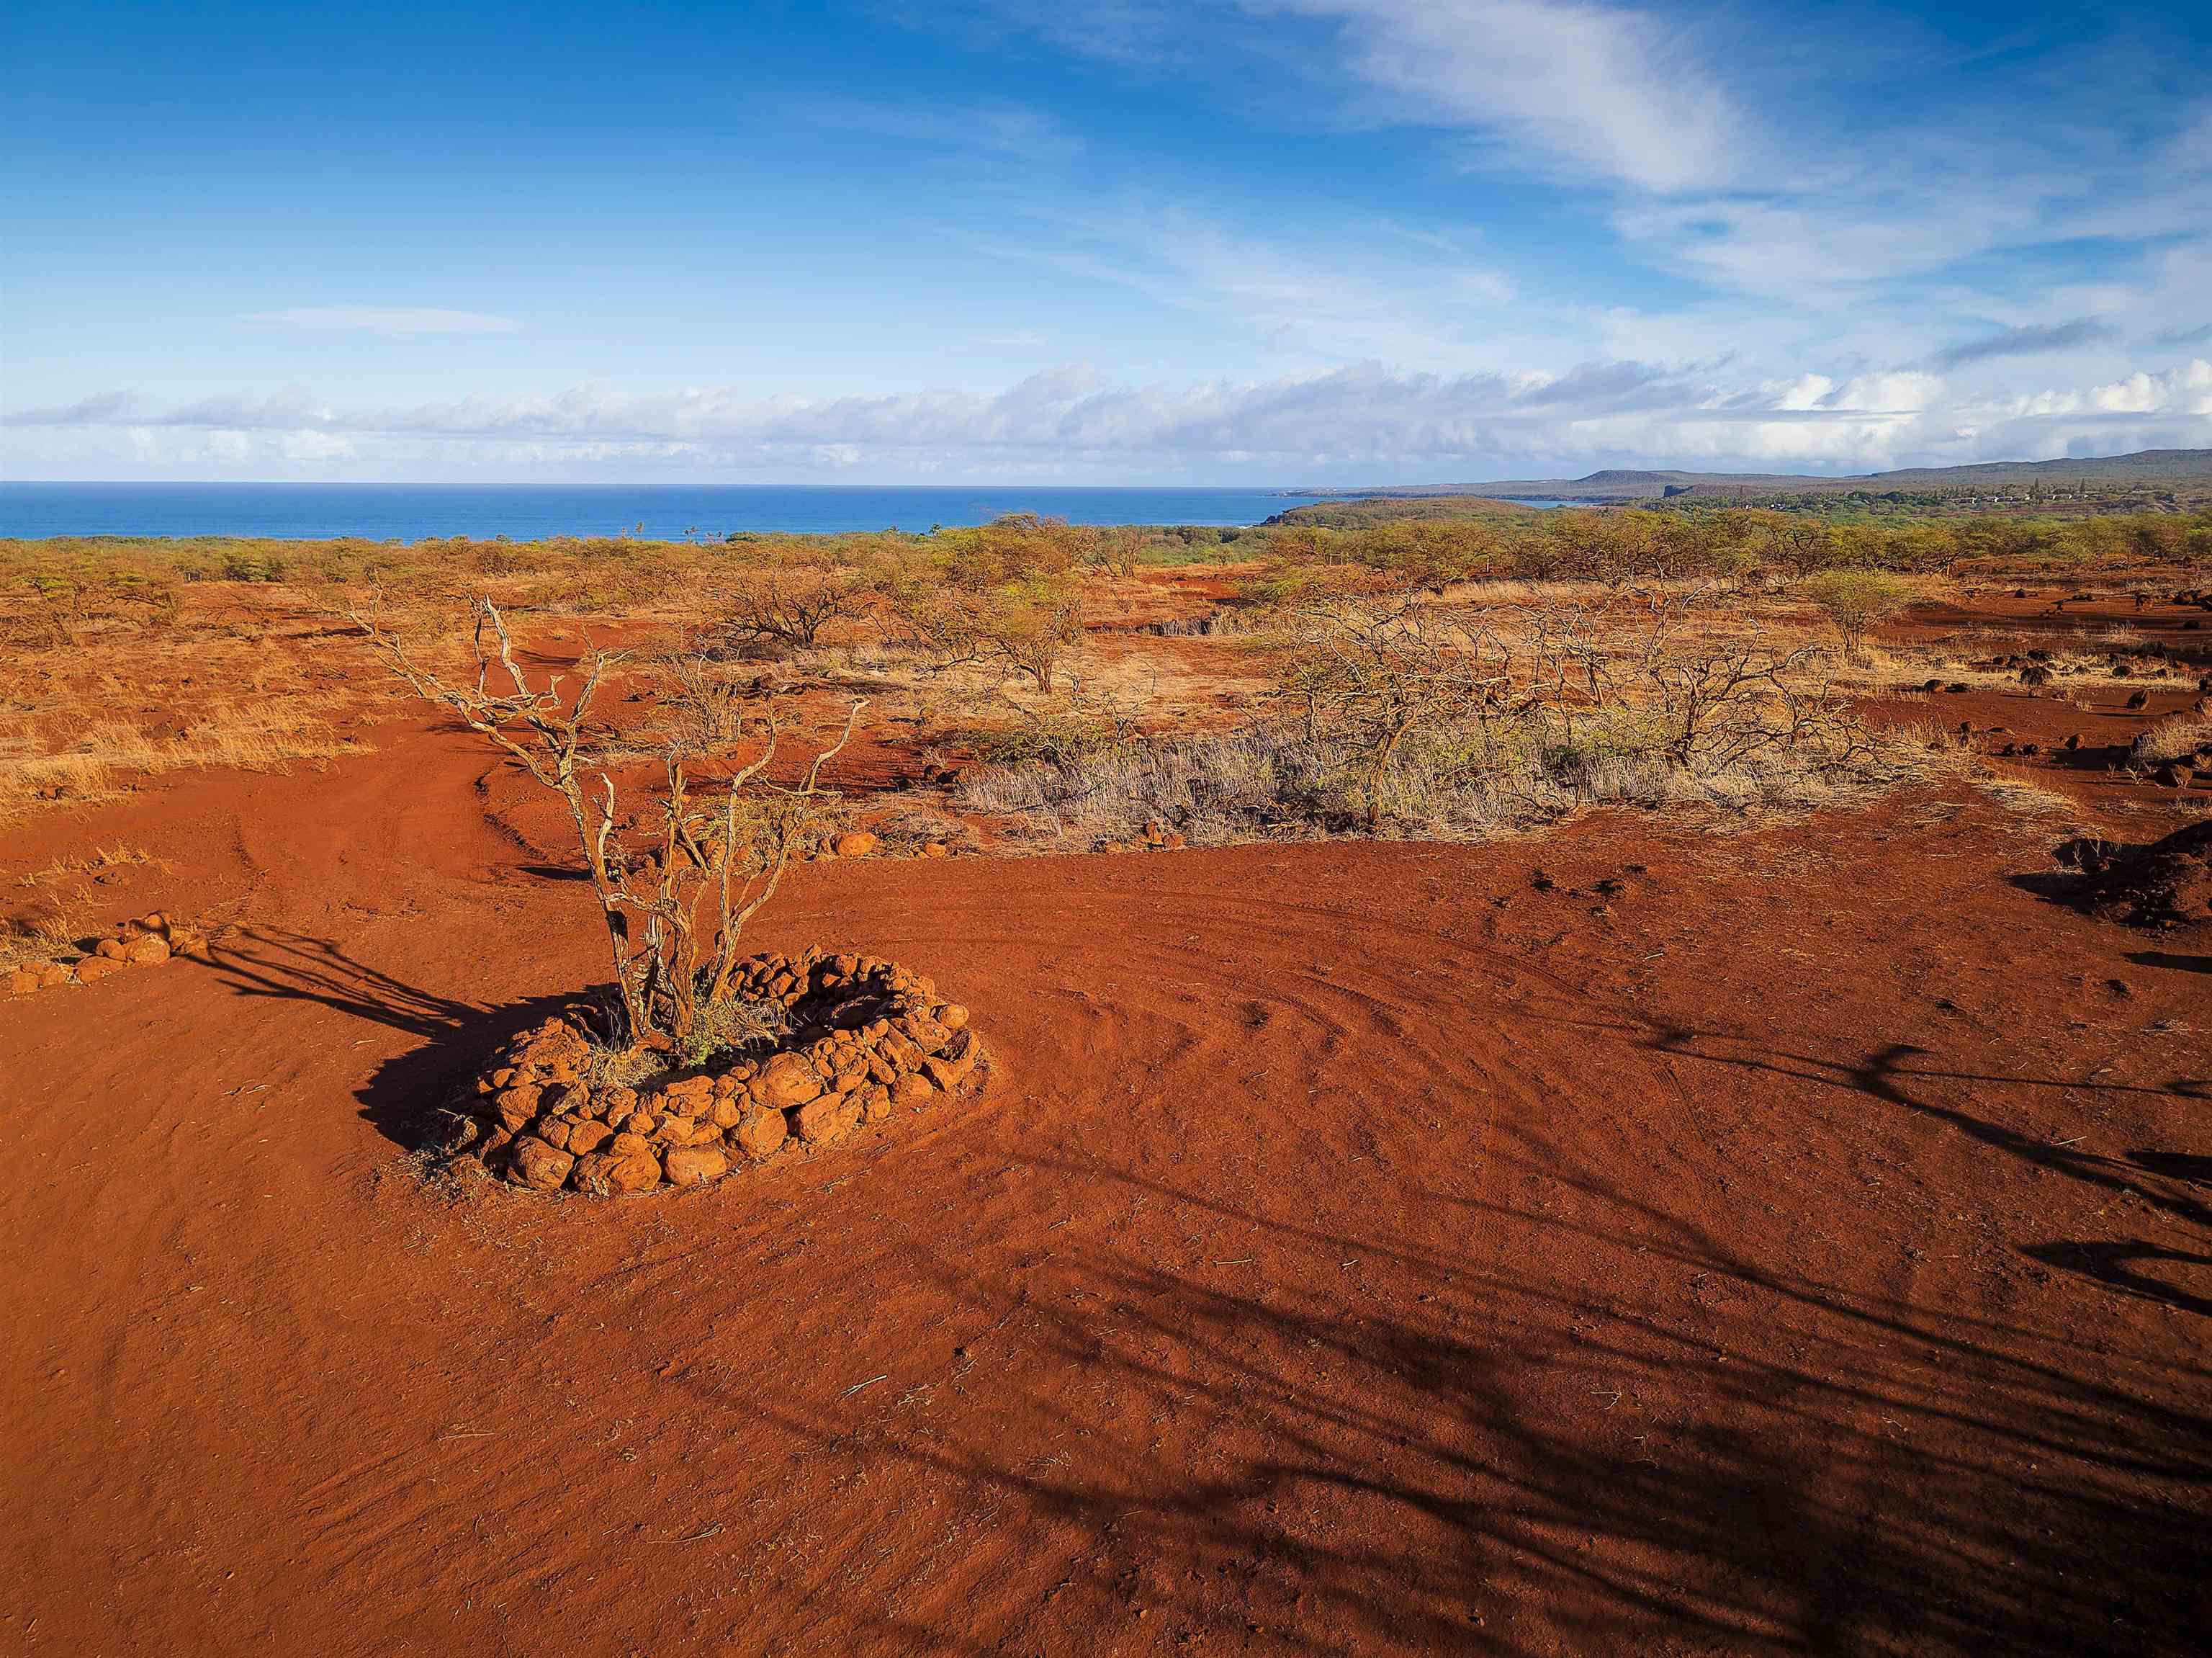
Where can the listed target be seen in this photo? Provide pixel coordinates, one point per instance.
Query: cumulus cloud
(2184, 390)
(1074, 421)
(392, 319)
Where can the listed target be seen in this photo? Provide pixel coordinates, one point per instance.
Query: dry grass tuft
(2175, 737)
(101, 757)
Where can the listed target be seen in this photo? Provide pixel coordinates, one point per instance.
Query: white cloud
(1072, 421)
(1324, 301)
(1889, 393)
(2184, 390)
(1606, 89)
(395, 320)
(1805, 391)
(316, 446)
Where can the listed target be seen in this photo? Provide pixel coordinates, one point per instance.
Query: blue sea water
(411, 512)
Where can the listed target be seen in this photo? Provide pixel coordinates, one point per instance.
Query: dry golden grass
(97, 864)
(101, 761)
(50, 931)
(2175, 737)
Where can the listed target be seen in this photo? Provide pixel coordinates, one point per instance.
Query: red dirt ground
(1358, 1249)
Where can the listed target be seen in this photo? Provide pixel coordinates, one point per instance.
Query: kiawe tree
(677, 884)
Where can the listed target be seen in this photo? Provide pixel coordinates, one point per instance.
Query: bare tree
(790, 608)
(735, 850)
(1383, 669)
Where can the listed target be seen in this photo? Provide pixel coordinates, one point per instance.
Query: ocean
(413, 512)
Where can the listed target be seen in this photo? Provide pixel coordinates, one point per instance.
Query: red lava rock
(604, 1174)
(109, 948)
(590, 1175)
(23, 981)
(695, 1165)
(540, 1166)
(689, 1097)
(93, 968)
(818, 1120)
(517, 1105)
(761, 1134)
(857, 844)
(588, 1136)
(785, 1081)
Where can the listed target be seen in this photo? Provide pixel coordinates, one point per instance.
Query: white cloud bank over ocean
(1359, 421)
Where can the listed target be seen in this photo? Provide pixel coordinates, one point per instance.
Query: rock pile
(145, 941)
(866, 1039)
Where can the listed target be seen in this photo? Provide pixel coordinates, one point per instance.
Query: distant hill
(1615, 483)
(1354, 514)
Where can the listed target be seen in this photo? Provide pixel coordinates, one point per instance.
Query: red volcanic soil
(1802, 1248)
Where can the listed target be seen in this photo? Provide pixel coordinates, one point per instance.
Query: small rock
(93, 968)
(689, 1097)
(604, 1174)
(761, 1134)
(588, 1136)
(785, 1081)
(540, 1167)
(936, 848)
(855, 843)
(820, 1121)
(23, 981)
(517, 1105)
(695, 1165)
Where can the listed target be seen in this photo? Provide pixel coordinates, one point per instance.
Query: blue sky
(1270, 241)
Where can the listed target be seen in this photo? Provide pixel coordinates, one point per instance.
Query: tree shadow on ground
(2168, 959)
(1687, 1451)
(407, 1100)
(1613, 1422)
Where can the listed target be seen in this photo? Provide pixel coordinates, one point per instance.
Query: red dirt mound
(2167, 883)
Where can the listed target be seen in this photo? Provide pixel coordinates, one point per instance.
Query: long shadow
(408, 1099)
(2182, 964)
(2148, 1176)
(1521, 1459)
